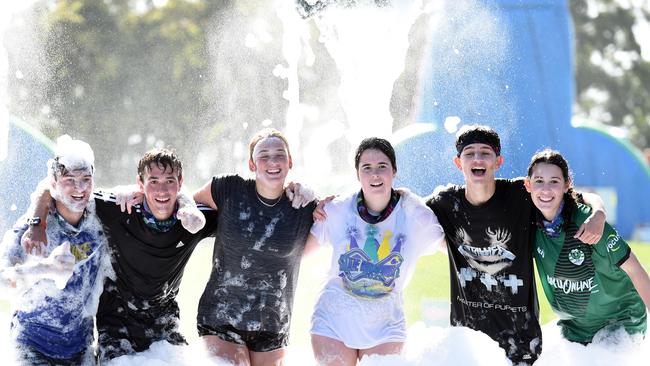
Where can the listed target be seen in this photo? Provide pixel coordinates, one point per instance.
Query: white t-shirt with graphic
(361, 304)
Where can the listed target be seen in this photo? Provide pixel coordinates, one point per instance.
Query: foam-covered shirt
(59, 322)
(256, 260)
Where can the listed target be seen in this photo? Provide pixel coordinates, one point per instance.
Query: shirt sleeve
(616, 248)
(320, 228)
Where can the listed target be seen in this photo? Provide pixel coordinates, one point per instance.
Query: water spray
(309, 8)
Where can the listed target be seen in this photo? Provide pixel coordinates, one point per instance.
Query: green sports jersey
(584, 283)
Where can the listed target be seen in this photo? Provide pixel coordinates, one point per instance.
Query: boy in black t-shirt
(488, 225)
(150, 247)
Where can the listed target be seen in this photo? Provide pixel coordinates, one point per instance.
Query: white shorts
(358, 322)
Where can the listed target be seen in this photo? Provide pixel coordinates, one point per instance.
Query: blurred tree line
(128, 75)
(612, 78)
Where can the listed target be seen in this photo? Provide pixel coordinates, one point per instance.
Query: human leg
(230, 351)
(389, 348)
(275, 358)
(330, 352)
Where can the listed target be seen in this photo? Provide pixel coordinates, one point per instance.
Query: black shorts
(256, 341)
(124, 329)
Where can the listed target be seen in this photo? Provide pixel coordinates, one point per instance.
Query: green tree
(124, 79)
(612, 78)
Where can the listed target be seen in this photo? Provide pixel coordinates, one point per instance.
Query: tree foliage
(126, 78)
(612, 78)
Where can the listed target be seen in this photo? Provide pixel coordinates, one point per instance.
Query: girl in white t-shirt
(377, 235)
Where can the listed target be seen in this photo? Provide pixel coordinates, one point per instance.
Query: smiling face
(270, 162)
(160, 187)
(72, 190)
(547, 186)
(478, 162)
(376, 175)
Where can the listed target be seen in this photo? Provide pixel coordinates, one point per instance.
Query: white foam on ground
(439, 346)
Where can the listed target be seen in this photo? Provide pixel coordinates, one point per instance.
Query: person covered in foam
(57, 287)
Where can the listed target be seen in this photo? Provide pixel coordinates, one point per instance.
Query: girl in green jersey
(589, 287)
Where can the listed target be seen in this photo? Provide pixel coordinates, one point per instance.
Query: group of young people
(491, 229)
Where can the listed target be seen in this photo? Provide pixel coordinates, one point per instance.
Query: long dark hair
(554, 157)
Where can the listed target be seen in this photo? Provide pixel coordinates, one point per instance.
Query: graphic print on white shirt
(369, 269)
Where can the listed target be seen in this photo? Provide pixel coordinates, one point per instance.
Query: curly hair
(163, 158)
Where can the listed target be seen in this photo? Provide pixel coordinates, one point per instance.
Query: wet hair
(376, 143)
(266, 133)
(58, 169)
(477, 134)
(163, 158)
(554, 157)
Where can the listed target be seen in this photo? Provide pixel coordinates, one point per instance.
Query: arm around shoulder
(204, 195)
(592, 228)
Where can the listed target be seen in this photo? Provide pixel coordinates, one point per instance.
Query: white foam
(74, 154)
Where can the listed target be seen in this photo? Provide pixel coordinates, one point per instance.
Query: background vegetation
(198, 75)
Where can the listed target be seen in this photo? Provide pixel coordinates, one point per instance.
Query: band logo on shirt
(489, 259)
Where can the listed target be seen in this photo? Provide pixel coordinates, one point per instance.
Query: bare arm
(34, 239)
(204, 195)
(591, 230)
(639, 278)
(311, 246)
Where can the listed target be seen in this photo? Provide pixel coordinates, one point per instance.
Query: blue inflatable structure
(23, 166)
(512, 69)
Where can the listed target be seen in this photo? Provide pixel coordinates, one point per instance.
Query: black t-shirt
(256, 259)
(491, 265)
(148, 264)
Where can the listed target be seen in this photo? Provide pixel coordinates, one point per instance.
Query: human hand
(34, 240)
(299, 195)
(58, 266)
(127, 196)
(592, 229)
(319, 212)
(191, 217)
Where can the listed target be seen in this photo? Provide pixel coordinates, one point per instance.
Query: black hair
(376, 143)
(474, 134)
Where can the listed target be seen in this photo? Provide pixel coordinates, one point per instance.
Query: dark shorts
(125, 330)
(256, 341)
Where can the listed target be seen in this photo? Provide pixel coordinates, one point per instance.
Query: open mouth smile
(478, 171)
